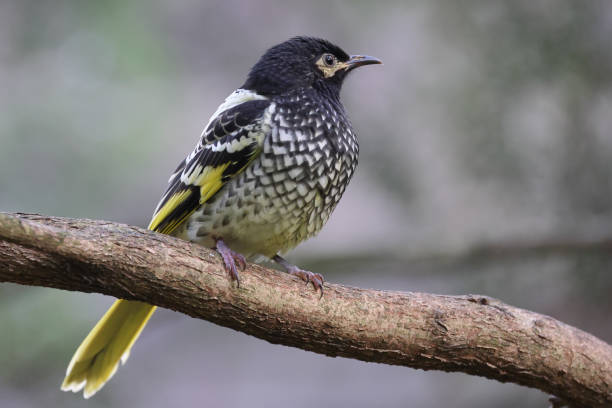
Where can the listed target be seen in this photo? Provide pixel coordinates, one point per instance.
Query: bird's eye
(329, 60)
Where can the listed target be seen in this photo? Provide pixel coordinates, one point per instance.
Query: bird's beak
(360, 60)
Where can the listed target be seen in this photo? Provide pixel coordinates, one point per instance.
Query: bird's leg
(230, 258)
(306, 276)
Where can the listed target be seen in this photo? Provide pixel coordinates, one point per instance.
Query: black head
(303, 62)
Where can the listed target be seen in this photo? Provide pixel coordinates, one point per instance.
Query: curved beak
(360, 60)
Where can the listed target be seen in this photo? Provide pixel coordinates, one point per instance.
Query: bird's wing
(231, 140)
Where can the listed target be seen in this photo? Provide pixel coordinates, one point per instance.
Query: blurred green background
(486, 151)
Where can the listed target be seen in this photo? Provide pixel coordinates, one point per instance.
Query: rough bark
(472, 334)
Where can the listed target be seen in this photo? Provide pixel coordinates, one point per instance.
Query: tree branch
(472, 334)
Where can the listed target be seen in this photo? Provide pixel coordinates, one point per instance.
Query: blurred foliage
(489, 122)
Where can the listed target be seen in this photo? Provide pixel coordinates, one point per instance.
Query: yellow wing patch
(168, 208)
(209, 181)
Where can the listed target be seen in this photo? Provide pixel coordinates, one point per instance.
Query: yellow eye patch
(329, 69)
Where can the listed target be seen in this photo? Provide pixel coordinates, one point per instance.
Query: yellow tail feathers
(109, 342)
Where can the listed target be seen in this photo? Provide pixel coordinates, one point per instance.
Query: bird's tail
(109, 342)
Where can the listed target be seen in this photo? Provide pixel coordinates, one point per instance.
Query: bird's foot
(309, 277)
(230, 258)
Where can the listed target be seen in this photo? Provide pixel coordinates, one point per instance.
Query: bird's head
(303, 62)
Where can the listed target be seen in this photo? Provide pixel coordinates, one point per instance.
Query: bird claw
(240, 259)
(230, 258)
(309, 277)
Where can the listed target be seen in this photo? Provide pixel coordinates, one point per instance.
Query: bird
(266, 173)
